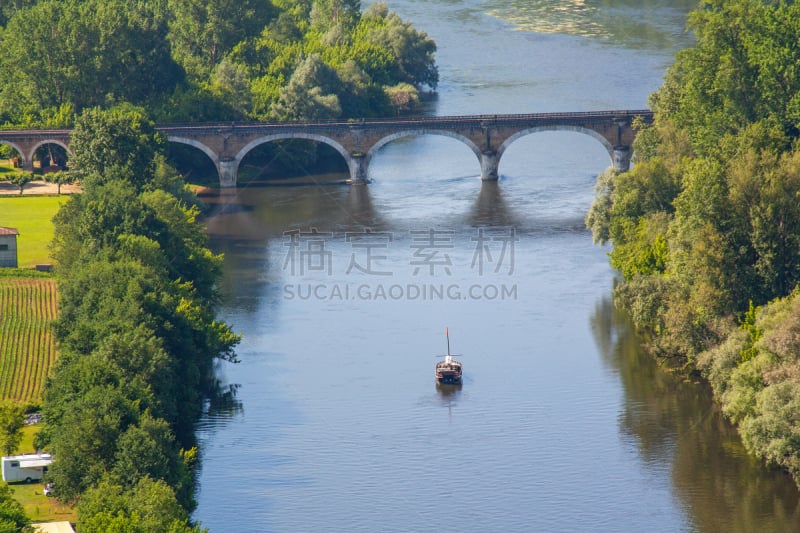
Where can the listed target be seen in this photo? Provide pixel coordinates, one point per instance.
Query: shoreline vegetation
(705, 227)
(136, 332)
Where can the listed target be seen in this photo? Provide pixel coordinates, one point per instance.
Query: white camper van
(25, 468)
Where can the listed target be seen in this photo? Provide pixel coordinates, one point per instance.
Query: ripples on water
(652, 25)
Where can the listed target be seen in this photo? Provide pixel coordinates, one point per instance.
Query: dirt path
(37, 188)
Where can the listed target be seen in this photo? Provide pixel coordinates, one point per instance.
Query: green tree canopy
(706, 226)
(85, 53)
(12, 516)
(187, 60)
(147, 507)
(116, 144)
(136, 327)
(310, 94)
(12, 420)
(203, 32)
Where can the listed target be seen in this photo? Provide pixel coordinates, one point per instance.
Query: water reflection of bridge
(488, 136)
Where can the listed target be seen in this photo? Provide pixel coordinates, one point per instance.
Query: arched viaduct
(488, 136)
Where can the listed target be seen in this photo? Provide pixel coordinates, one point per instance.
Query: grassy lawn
(26, 446)
(6, 170)
(38, 507)
(32, 216)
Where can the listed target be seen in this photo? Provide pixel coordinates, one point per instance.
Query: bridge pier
(358, 169)
(621, 158)
(228, 169)
(490, 163)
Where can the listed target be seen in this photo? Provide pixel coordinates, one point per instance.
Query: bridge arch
(417, 133)
(610, 148)
(352, 164)
(383, 141)
(196, 144)
(226, 170)
(62, 144)
(15, 146)
(620, 155)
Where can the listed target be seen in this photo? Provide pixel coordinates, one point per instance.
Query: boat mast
(447, 334)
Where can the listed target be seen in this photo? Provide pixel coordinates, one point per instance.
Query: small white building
(8, 247)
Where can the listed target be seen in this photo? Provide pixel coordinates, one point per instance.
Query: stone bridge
(488, 136)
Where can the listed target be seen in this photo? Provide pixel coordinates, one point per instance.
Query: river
(342, 295)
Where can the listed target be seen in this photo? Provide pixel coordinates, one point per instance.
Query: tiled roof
(8, 231)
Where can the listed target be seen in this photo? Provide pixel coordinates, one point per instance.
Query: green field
(40, 508)
(27, 346)
(32, 216)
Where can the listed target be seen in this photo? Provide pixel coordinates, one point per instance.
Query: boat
(448, 371)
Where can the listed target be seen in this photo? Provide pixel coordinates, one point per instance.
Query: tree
(120, 143)
(147, 449)
(412, 50)
(230, 82)
(192, 60)
(12, 515)
(136, 328)
(344, 12)
(21, 179)
(328, 14)
(148, 506)
(86, 54)
(741, 71)
(12, 420)
(203, 32)
(37, 43)
(706, 226)
(84, 442)
(60, 177)
(404, 97)
(310, 94)
(9, 7)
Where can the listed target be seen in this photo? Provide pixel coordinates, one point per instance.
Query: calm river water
(335, 423)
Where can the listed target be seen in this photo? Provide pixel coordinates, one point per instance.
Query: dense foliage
(706, 226)
(192, 60)
(12, 420)
(12, 516)
(136, 331)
